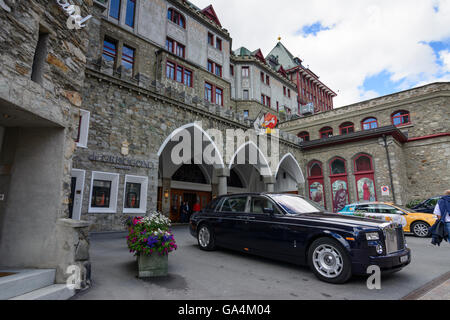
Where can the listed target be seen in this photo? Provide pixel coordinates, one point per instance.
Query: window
(401, 118)
(258, 205)
(245, 95)
(218, 70)
(176, 17)
(210, 39)
(208, 92)
(338, 166)
(104, 188)
(234, 204)
(232, 70)
(219, 97)
(346, 128)
(83, 129)
(326, 132)
(131, 10)
(114, 9)
(304, 135)
(245, 72)
(179, 73)
(262, 76)
(170, 70)
(109, 50)
(364, 178)
(267, 80)
(175, 47)
(213, 94)
(289, 93)
(268, 102)
(246, 114)
(284, 90)
(316, 182)
(210, 66)
(219, 44)
(369, 123)
(135, 197)
(40, 54)
(339, 184)
(128, 57)
(180, 50)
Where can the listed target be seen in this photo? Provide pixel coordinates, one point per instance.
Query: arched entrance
(189, 161)
(289, 175)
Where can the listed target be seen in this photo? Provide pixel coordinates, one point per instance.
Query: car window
(386, 209)
(295, 204)
(258, 205)
(234, 204)
(432, 202)
(364, 208)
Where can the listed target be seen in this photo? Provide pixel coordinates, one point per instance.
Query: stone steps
(53, 292)
(32, 284)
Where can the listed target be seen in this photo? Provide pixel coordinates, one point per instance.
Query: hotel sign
(75, 20)
(121, 161)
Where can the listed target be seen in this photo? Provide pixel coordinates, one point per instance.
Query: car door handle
(242, 217)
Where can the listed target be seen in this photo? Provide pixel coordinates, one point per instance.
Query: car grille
(394, 239)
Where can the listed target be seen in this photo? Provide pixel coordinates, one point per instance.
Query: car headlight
(372, 236)
(379, 249)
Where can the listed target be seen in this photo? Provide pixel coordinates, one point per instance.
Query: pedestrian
(441, 229)
(196, 207)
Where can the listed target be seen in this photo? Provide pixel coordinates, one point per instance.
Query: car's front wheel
(205, 238)
(329, 261)
(420, 229)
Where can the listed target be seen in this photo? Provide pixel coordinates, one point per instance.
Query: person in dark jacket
(441, 229)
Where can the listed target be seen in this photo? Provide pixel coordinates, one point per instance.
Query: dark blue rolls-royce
(291, 228)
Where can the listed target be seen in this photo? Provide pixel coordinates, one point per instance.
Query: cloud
(347, 42)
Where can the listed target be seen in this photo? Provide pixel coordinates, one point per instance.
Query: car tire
(329, 261)
(205, 238)
(420, 229)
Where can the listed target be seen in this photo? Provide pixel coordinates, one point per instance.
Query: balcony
(307, 109)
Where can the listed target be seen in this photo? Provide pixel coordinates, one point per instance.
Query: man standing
(442, 210)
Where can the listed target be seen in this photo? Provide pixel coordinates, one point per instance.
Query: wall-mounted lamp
(166, 194)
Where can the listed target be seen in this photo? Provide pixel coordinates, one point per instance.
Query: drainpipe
(389, 167)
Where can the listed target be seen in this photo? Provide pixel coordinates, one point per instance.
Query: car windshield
(407, 210)
(294, 204)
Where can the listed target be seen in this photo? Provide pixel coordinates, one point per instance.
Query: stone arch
(262, 165)
(294, 168)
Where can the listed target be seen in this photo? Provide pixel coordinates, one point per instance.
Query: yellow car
(418, 223)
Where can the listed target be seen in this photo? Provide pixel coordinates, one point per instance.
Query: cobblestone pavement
(224, 274)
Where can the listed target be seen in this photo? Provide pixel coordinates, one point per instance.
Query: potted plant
(151, 240)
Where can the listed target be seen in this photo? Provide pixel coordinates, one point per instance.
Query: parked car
(418, 223)
(293, 229)
(427, 205)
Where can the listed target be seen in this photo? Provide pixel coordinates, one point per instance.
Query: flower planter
(153, 265)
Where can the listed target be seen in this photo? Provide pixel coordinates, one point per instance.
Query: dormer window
(176, 17)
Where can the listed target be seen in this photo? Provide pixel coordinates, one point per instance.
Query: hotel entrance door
(179, 196)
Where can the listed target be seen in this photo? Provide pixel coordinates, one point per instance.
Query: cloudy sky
(360, 48)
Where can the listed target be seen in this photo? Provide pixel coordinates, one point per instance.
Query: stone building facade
(41, 78)
(416, 123)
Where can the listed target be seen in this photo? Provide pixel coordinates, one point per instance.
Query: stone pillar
(166, 202)
(222, 175)
(270, 183)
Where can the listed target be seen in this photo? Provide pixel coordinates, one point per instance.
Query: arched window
(346, 128)
(176, 17)
(364, 178)
(401, 118)
(339, 183)
(190, 173)
(304, 135)
(369, 123)
(326, 132)
(234, 180)
(316, 183)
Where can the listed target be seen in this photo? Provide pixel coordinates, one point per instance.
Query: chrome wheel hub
(421, 230)
(328, 261)
(203, 237)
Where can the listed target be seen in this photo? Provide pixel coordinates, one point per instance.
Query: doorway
(178, 196)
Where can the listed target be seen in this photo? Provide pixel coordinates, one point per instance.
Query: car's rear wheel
(420, 229)
(205, 238)
(329, 261)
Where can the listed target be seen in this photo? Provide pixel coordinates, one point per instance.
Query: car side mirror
(400, 212)
(269, 211)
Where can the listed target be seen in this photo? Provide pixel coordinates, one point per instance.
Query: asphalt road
(224, 274)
